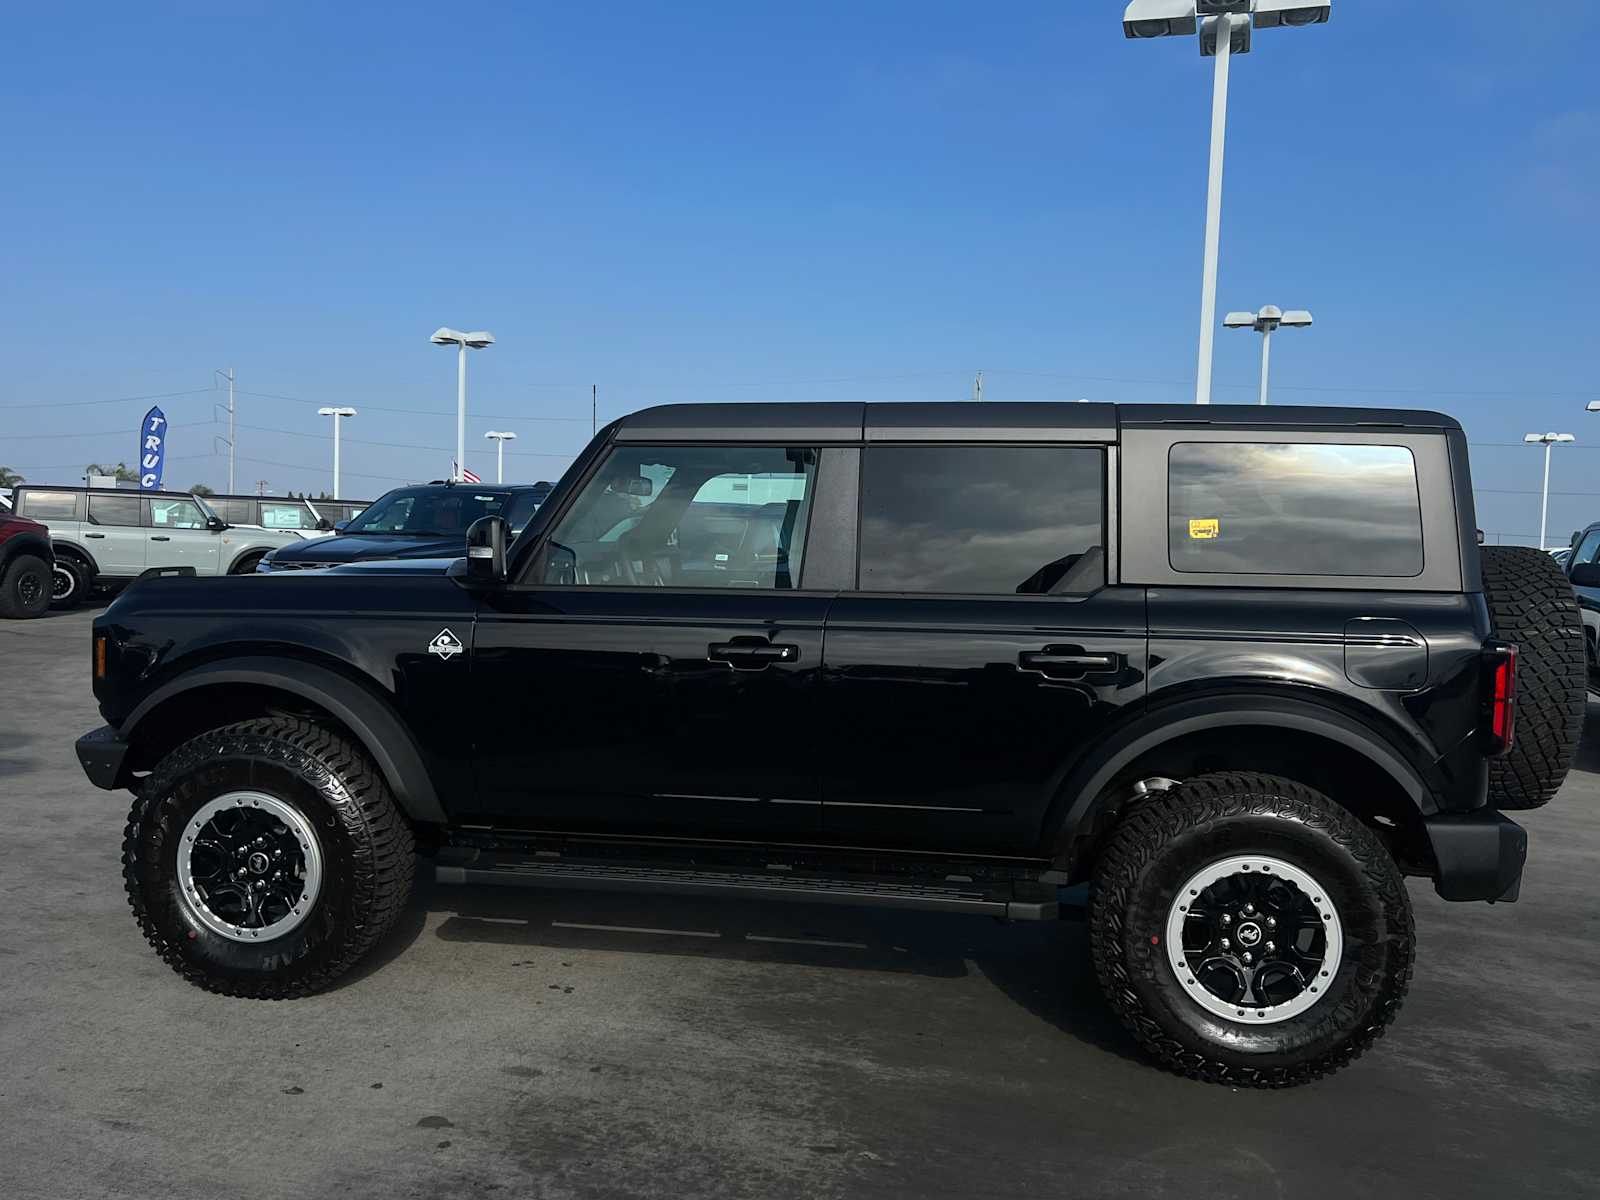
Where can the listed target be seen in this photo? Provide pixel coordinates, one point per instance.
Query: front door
(180, 537)
(658, 674)
(982, 651)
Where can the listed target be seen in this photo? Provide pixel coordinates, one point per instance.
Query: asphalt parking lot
(575, 1044)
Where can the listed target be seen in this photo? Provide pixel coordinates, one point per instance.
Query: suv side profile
(105, 538)
(1240, 670)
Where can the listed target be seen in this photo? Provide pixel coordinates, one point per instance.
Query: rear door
(114, 533)
(180, 537)
(657, 673)
(984, 647)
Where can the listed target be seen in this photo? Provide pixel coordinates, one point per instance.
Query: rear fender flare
(65, 549)
(1083, 791)
(368, 717)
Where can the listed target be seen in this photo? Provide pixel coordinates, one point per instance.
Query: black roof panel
(965, 420)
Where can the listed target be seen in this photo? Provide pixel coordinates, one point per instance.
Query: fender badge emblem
(446, 645)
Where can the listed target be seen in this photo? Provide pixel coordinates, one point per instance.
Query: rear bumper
(102, 753)
(1480, 855)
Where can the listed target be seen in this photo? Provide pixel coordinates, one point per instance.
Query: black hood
(364, 547)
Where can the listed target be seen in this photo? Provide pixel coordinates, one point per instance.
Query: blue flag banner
(152, 449)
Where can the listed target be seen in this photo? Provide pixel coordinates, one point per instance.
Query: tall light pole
(228, 375)
(445, 336)
(1550, 441)
(338, 415)
(1224, 27)
(500, 440)
(1266, 323)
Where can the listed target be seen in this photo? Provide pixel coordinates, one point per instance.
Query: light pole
(338, 415)
(1549, 440)
(1224, 27)
(445, 336)
(1266, 323)
(500, 452)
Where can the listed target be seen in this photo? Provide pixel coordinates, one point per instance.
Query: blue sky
(723, 201)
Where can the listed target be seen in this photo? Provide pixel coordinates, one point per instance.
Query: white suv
(106, 537)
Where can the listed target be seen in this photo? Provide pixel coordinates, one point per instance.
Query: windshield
(437, 511)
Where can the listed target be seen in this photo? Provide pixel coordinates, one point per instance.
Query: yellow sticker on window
(1207, 528)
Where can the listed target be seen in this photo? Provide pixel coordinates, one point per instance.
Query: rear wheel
(265, 858)
(1250, 931)
(69, 584)
(1532, 605)
(24, 587)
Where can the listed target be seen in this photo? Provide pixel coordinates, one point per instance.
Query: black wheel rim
(30, 589)
(62, 582)
(249, 866)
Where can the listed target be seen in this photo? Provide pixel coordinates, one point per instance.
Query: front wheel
(1250, 931)
(24, 587)
(265, 858)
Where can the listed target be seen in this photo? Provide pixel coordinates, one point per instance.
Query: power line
(118, 400)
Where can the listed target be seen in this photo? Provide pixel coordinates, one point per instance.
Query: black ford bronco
(1241, 670)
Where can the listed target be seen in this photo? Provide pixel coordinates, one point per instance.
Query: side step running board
(1017, 901)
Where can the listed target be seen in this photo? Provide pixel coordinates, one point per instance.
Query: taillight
(1500, 697)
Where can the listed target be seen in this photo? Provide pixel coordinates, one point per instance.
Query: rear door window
(114, 510)
(983, 520)
(1280, 508)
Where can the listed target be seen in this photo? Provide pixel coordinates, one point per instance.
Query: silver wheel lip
(1266, 864)
(303, 833)
(59, 571)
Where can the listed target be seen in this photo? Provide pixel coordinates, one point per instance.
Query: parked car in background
(426, 521)
(104, 538)
(26, 565)
(308, 518)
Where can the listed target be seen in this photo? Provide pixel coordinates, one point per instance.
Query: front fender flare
(373, 722)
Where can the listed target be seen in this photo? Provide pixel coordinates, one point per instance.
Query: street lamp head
(1240, 320)
(1296, 318)
(499, 436)
(1565, 437)
(477, 340)
(1548, 438)
(1592, 406)
(1271, 14)
(1159, 18)
(336, 412)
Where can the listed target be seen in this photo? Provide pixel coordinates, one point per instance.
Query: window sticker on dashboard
(1207, 527)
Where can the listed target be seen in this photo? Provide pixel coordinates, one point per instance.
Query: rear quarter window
(49, 506)
(1280, 508)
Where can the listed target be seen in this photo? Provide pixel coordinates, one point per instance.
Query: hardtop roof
(968, 420)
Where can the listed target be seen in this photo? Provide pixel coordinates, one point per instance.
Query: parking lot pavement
(577, 1044)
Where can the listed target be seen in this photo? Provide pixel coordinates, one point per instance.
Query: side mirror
(1586, 575)
(338, 527)
(216, 524)
(486, 551)
(640, 487)
(324, 525)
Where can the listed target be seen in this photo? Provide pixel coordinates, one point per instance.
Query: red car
(26, 566)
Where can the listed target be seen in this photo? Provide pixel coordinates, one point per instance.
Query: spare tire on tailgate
(1532, 605)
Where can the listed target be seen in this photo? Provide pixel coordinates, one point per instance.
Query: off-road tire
(247, 564)
(1532, 604)
(1162, 841)
(25, 587)
(368, 856)
(69, 568)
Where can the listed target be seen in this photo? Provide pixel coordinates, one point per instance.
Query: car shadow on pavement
(1045, 967)
(10, 743)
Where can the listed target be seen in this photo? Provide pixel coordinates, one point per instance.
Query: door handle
(97, 536)
(751, 654)
(160, 537)
(1068, 662)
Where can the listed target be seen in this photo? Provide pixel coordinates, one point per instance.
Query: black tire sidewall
(1350, 998)
(304, 951)
(25, 566)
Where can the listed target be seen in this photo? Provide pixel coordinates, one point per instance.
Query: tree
(120, 472)
(200, 489)
(9, 478)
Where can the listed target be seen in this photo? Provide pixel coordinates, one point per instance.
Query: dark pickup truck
(1241, 670)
